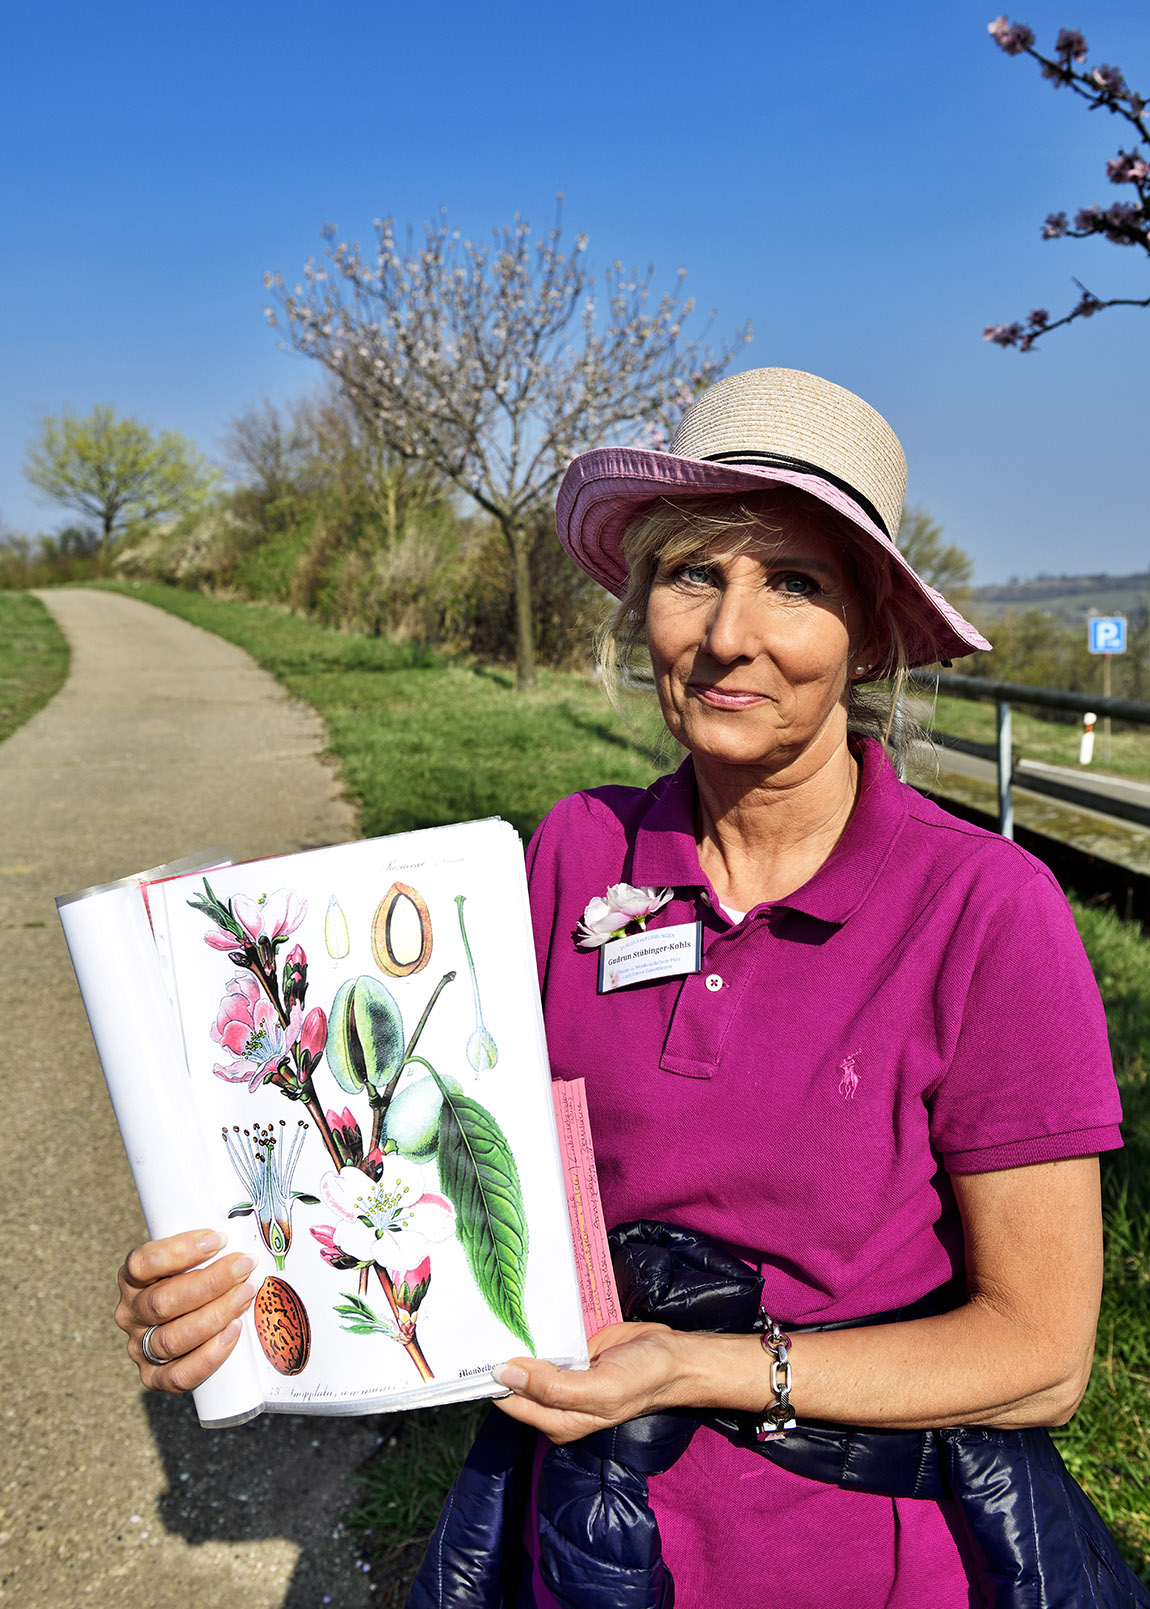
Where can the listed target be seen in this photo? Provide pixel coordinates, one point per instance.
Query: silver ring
(146, 1348)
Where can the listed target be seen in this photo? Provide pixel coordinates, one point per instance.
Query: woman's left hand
(635, 1369)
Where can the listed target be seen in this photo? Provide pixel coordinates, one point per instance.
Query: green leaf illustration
(362, 1321)
(478, 1175)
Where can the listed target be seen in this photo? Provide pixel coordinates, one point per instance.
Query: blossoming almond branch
(380, 1224)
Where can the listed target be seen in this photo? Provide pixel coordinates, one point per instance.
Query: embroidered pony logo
(850, 1079)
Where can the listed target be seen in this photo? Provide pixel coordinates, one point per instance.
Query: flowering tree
(1124, 223)
(495, 364)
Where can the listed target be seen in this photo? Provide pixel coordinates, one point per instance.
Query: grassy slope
(1106, 1446)
(422, 742)
(33, 659)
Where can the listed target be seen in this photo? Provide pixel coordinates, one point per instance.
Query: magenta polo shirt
(922, 1006)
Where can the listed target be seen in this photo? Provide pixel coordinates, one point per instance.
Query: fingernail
(212, 1241)
(243, 1265)
(507, 1374)
(231, 1331)
(246, 1292)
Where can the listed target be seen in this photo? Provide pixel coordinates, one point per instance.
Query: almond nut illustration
(282, 1325)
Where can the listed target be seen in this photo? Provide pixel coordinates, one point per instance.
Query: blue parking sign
(1107, 634)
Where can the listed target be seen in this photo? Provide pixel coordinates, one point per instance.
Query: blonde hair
(674, 530)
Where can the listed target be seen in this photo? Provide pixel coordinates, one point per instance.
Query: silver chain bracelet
(778, 1416)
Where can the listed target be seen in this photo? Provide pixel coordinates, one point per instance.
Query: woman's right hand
(195, 1311)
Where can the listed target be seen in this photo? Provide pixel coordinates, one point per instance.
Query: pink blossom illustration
(271, 917)
(378, 1221)
(249, 1026)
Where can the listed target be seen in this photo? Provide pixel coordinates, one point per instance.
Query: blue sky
(865, 182)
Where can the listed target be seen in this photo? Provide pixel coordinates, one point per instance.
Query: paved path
(163, 740)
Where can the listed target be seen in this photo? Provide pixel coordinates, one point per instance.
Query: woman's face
(752, 646)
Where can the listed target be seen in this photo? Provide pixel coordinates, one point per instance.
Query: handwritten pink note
(597, 1290)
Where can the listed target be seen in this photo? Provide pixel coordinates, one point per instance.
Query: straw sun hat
(751, 431)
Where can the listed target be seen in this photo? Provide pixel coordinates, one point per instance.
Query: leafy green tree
(115, 471)
(940, 564)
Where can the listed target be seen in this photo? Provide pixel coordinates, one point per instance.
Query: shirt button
(714, 982)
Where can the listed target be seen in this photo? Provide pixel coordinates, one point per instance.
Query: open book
(338, 1057)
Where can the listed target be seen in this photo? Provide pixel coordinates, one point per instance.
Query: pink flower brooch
(608, 916)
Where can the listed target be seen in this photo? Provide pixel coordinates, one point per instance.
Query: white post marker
(1106, 635)
(1086, 742)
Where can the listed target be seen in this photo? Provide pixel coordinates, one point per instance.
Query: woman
(890, 1069)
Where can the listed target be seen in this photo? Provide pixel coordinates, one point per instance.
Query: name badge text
(665, 952)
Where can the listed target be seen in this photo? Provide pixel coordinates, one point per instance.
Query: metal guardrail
(1051, 698)
(1006, 694)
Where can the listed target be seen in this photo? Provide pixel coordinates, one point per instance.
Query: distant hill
(1067, 597)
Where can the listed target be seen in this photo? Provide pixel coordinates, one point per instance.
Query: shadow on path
(282, 1475)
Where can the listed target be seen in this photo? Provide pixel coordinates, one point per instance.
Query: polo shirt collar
(666, 856)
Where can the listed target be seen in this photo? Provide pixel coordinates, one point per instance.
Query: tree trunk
(108, 521)
(519, 544)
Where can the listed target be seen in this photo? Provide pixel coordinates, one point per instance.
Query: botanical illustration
(401, 932)
(481, 1048)
(381, 1222)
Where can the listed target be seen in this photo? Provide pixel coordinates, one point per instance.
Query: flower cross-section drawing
(249, 1027)
(265, 1164)
(379, 1220)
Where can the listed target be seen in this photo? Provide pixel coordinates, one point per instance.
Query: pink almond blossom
(249, 1027)
(411, 1287)
(605, 918)
(272, 916)
(328, 1250)
(379, 1222)
(312, 1038)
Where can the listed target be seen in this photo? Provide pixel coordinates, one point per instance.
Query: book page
(111, 945)
(365, 1055)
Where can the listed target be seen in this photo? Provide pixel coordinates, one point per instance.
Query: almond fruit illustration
(282, 1325)
(401, 932)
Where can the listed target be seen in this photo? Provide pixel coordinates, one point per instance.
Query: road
(1082, 780)
(163, 740)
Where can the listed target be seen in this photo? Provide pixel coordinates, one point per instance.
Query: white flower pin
(608, 916)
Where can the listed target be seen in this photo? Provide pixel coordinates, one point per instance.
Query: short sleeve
(542, 885)
(1031, 1078)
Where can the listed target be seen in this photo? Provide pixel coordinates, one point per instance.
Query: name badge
(665, 952)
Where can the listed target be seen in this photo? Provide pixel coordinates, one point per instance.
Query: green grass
(1040, 740)
(402, 1491)
(1106, 1444)
(422, 741)
(33, 659)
